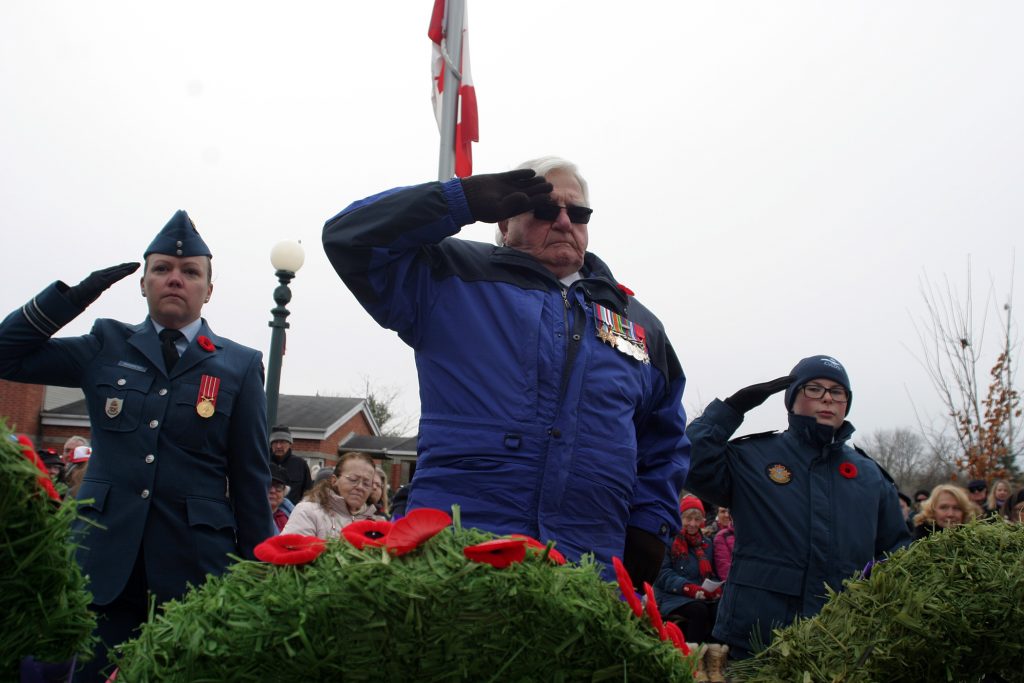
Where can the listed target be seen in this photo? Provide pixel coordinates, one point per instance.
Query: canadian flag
(466, 126)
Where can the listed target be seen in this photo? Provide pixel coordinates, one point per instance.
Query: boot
(698, 650)
(715, 662)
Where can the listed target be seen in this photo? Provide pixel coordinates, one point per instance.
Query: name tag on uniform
(131, 366)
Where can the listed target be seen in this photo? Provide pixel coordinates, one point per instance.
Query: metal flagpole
(451, 52)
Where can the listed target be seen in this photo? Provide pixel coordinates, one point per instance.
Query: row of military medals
(624, 335)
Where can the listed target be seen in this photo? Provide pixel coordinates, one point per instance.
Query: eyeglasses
(356, 481)
(837, 393)
(278, 486)
(550, 212)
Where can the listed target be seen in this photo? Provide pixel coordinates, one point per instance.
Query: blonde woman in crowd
(947, 506)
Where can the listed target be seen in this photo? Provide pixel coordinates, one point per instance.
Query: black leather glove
(751, 397)
(97, 282)
(493, 197)
(642, 556)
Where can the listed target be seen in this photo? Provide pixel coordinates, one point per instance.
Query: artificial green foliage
(429, 616)
(948, 608)
(42, 592)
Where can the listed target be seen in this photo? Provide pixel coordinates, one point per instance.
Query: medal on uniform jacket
(621, 334)
(113, 407)
(206, 402)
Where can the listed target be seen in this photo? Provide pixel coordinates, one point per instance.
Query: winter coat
(312, 519)
(530, 422)
(725, 541)
(809, 511)
(678, 571)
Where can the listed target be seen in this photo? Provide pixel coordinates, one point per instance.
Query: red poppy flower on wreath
(290, 549)
(29, 451)
(553, 555)
(848, 470)
(205, 344)
(499, 553)
(675, 634)
(627, 589)
(415, 529)
(625, 290)
(367, 532)
(652, 612)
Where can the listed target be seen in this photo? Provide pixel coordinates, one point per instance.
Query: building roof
(393, 447)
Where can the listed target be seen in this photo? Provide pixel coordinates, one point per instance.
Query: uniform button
(162, 392)
(121, 382)
(145, 493)
(556, 432)
(153, 424)
(150, 458)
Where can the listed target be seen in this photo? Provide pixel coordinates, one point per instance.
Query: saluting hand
(750, 397)
(493, 197)
(97, 282)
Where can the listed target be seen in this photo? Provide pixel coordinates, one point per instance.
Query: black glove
(642, 555)
(751, 397)
(493, 197)
(89, 289)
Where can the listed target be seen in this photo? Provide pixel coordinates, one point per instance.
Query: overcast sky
(772, 179)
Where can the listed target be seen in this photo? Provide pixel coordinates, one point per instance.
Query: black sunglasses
(549, 212)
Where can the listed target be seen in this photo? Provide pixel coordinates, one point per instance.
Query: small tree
(380, 401)
(952, 342)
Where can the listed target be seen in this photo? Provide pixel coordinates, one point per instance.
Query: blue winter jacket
(530, 423)
(809, 511)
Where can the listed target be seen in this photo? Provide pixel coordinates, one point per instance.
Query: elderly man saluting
(551, 398)
(179, 472)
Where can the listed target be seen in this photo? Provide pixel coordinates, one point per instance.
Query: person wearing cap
(179, 474)
(75, 469)
(551, 396)
(277, 495)
(299, 478)
(791, 495)
(71, 444)
(977, 491)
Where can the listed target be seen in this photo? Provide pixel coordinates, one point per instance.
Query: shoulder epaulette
(759, 435)
(882, 469)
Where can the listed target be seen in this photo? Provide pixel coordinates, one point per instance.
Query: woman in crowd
(336, 501)
(997, 497)
(679, 587)
(1013, 509)
(723, 544)
(379, 495)
(947, 506)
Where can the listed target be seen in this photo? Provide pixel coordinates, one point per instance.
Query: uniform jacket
(676, 572)
(312, 519)
(529, 422)
(800, 523)
(184, 489)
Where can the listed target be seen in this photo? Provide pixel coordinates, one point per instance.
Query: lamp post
(286, 257)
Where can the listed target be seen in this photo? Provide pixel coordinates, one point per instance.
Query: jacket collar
(808, 430)
(144, 339)
(597, 283)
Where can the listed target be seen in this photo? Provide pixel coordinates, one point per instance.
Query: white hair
(543, 166)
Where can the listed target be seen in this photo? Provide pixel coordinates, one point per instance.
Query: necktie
(170, 351)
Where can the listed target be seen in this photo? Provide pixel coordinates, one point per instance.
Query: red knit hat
(690, 503)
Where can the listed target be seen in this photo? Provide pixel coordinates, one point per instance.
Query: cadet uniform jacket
(808, 511)
(530, 422)
(184, 489)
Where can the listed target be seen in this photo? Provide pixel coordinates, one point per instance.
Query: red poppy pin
(626, 588)
(290, 549)
(652, 612)
(205, 344)
(848, 470)
(625, 290)
(499, 553)
(552, 555)
(415, 529)
(367, 532)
